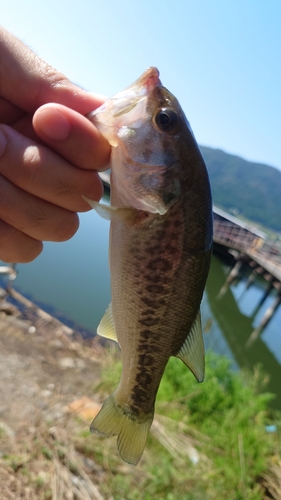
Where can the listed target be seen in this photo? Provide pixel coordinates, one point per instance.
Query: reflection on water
(71, 280)
(233, 313)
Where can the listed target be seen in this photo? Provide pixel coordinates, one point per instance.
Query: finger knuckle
(68, 227)
(16, 246)
(49, 78)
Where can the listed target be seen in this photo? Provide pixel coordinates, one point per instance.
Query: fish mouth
(150, 79)
(131, 106)
(142, 88)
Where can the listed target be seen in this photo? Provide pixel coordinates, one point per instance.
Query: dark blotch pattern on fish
(155, 289)
(157, 271)
(159, 264)
(148, 321)
(144, 378)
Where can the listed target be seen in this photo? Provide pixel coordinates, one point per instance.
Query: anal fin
(106, 327)
(192, 350)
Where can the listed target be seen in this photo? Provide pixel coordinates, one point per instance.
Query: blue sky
(221, 58)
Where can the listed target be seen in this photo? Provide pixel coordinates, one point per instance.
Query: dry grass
(272, 480)
(42, 463)
(60, 461)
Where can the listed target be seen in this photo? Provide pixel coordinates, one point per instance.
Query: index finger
(39, 82)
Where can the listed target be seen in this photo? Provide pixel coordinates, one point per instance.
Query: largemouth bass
(160, 248)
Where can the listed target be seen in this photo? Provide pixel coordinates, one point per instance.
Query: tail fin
(132, 433)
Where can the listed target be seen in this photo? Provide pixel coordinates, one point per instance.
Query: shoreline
(15, 304)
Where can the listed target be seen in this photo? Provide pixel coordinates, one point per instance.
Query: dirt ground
(37, 366)
(44, 374)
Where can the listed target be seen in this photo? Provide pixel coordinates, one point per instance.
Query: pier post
(250, 280)
(231, 277)
(264, 297)
(265, 320)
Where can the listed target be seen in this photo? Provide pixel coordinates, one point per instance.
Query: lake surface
(71, 280)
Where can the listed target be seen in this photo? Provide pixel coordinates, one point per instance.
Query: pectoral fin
(106, 327)
(125, 214)
(192, 351)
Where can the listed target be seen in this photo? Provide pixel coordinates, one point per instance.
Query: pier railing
(248, 242)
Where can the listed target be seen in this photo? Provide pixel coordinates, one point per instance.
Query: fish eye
(166, 119)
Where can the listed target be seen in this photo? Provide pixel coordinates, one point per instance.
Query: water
(234, 319)
(71, 280)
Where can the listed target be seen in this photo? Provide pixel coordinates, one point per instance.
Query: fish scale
(160, 248)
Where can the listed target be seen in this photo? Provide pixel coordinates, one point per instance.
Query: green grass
(222, 419)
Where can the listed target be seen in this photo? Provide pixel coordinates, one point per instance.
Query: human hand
(49, 153)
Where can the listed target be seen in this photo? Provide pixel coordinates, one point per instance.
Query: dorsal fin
(106, 327)
(192, 350)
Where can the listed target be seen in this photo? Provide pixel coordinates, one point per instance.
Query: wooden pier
(249, 248)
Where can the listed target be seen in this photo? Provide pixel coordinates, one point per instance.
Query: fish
(161, 235)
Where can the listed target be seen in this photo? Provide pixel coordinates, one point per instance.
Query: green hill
(247, 189)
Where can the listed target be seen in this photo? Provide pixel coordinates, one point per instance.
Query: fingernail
(53, 124)
(3, 143)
